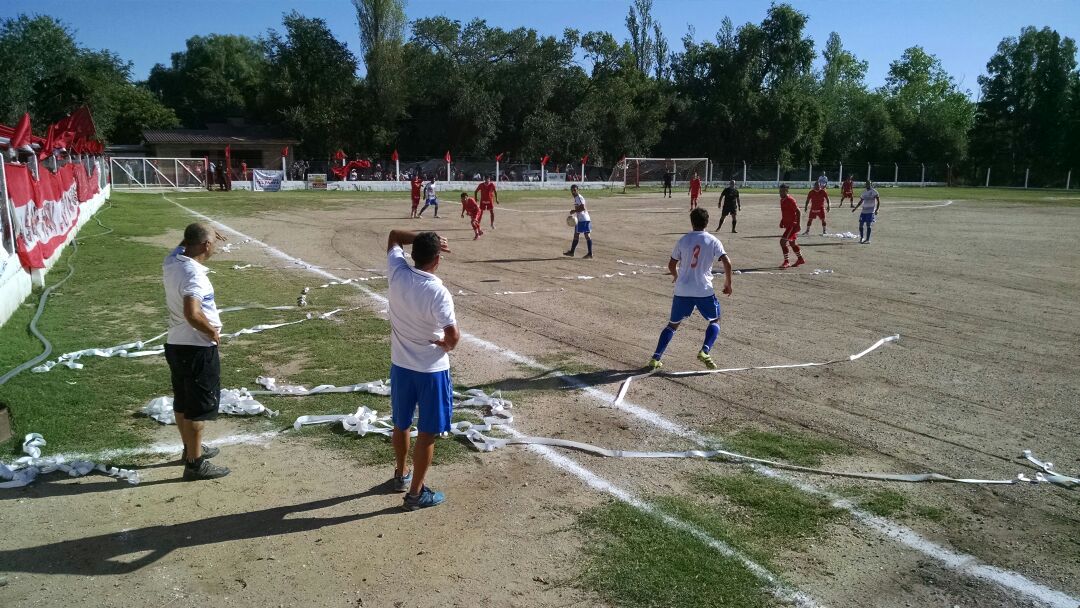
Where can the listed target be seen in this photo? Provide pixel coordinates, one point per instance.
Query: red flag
(499, 156)
(544, 161)
(285, 151)
(447, 157)
(585, 159)
(339, 155)
(394, 156)
(21, 137)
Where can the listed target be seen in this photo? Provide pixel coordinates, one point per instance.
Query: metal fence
(138, 173)
(1017, 176)
(772, 173)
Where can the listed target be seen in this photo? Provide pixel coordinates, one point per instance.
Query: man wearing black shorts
(191, 348)
(729, 205)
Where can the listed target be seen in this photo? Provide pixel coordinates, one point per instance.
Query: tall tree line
(749, 92)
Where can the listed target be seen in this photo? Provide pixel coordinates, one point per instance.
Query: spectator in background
(243, 170)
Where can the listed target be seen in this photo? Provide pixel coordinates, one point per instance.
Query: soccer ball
(570, 221)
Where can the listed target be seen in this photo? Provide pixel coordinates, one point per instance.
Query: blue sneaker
(427, 498)
(401, 484)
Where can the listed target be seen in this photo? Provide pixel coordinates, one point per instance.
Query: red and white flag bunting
(46, 210)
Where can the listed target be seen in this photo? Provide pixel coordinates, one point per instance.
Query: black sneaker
(207, 452)
(568, 254)
(204, 469)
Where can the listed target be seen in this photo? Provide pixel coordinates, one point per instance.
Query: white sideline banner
(266, 181)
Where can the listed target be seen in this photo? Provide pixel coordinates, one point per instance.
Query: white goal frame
(625, 164)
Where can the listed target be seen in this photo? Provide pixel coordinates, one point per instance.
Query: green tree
(44, 72)
(930, 111)
(1024, 114)
(641, 25)
(382, 30)
(214, 78)
(313, 78)
(844, 101)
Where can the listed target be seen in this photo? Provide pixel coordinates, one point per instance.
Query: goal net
(637, 172)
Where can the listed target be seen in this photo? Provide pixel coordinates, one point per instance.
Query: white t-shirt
(429, 191)
(420, 307)
(185, 277)
(583, 215)
(869, 201)
(823, 181)
(696, 251)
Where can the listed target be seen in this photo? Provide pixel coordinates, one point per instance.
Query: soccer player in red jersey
(488, 195)
(848, 191)
(695, 190)
(416, 184)
(818, 203)
(789, 221)
(468, 205)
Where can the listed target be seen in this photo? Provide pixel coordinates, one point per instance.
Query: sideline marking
(961, 563)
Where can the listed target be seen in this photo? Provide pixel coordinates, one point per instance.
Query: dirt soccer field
(983, 294)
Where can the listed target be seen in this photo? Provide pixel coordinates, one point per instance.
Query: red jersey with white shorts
(487, 194)
(789, 217)
(817, 203)
(695, 187)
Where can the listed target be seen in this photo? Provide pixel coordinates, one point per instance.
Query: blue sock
(665, 339)
(868, 227)
(589, 243)
(712, 332)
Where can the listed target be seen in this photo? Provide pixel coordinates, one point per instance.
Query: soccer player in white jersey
(823, 182)
(869, 202)
(691, 265)
(583, 225)
(430, 199)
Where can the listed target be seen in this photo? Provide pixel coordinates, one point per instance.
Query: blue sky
(962, 33)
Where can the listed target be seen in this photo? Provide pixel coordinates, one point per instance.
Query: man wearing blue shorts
(691, 265)
(430, 199)
(583, 225)
(422, 331)
(870, 203)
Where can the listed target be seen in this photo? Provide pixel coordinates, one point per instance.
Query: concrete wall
(443, 187)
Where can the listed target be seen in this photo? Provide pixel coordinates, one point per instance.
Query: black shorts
(196, 380)
(729, 210)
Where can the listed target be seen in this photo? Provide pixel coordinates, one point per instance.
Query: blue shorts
(585, 227)
(866, 218)
(683, 306)
(432, 391)
(434, 202)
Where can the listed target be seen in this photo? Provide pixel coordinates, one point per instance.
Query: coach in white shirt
(423, 330)
(191, 348)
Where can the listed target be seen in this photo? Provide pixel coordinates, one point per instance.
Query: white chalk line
(945, 204)
(958, 562)
(568, 464)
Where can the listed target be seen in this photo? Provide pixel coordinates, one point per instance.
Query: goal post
(636, 172)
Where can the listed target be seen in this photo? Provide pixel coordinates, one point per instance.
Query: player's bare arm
(673, 269)
(402, 238)
(451, 336)
(724, 259)
(194, 315)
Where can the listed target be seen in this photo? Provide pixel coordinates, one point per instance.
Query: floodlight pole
(896, 174)
(778, 174)
(496, 170)
(397, 170)
(867, 171)
(988, 177)
(1027, 174)
(583, 172)
(744, 174)
(810, 173)
(922, 179)
(841, 176)
(1068, 179)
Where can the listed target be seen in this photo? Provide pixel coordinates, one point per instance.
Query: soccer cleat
(207, 452)
(426, 498)
(654, 364)
(866, 242)
(706, 359)
(799, 262)
(401, 483)
(733, 231)
(786, 264)
(587, 256)
(475, 236)
(203, 470)
(568, 254)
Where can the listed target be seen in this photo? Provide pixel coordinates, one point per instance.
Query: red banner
(585, 159)
(343, 171)
(46, 210)
(394, 156)
(447, 157)
(544, 161)
(499, 156)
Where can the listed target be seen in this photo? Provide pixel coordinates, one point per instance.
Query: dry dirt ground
(982, 293)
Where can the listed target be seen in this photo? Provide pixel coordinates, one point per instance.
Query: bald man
(191, 348)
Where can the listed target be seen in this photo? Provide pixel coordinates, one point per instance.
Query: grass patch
(634, 559)
(116, 296)
(791, 447)
(890, 503)
(884, 503)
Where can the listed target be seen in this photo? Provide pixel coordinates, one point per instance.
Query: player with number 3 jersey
(691, 264)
